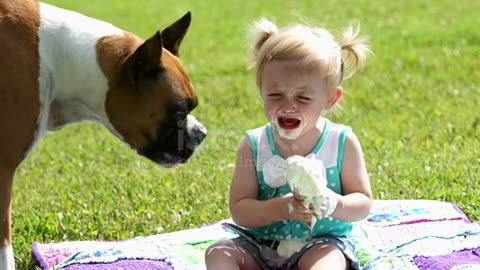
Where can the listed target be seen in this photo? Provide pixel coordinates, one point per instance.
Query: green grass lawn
(415, 108)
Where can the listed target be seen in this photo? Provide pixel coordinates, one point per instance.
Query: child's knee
(322, 255)
(224, 255)
(225, 248)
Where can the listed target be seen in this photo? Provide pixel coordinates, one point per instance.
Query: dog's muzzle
(177, 145)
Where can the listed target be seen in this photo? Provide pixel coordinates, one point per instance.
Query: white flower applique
(275, 172)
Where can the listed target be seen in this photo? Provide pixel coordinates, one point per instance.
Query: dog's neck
(72, 85)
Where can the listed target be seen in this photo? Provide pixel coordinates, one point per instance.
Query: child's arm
(245, 207)
(357, 200)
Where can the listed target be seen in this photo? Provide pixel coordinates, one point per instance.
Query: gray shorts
(340, 242)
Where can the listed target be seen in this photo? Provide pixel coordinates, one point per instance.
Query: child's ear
(335, 98)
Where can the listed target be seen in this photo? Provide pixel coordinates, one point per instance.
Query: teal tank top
(329, 149)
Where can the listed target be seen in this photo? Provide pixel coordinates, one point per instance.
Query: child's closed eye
(275, 95)
(304, 99)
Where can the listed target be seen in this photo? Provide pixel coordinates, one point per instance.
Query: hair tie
(268, 57)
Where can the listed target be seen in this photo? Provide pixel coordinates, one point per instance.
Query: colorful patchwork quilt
(397, 234)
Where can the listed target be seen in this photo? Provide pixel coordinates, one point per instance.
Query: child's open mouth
(289, 123)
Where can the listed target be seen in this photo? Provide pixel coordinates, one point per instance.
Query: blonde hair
(312, 47)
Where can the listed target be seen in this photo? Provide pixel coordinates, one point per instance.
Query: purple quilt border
(447, 261)
(38, 256)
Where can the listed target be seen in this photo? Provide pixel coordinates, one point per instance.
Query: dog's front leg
(7, 261)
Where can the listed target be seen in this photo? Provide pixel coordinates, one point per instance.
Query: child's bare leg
(229, 255)
(323, 257)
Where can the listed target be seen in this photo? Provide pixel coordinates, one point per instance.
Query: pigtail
(260, 32)
(355, 50)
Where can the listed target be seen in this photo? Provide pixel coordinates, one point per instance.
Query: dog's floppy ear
(146, 58)
(173, 35)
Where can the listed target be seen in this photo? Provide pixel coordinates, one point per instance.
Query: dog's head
(149, 105)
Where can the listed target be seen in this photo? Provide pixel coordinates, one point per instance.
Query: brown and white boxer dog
(58, 67)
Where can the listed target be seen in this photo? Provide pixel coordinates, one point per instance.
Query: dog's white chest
(69, 71)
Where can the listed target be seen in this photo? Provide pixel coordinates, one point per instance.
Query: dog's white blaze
(6, 258)
(69, 72)
(192, 123)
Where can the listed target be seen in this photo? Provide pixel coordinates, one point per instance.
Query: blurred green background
(414, 108)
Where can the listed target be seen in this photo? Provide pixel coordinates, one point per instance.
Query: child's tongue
(288, 122)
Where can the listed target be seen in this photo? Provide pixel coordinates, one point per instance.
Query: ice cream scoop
(308, 181)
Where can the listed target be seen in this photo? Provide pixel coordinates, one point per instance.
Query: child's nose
(289, 105)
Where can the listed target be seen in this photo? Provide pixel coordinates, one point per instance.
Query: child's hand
(297, 211)
(325, 204)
